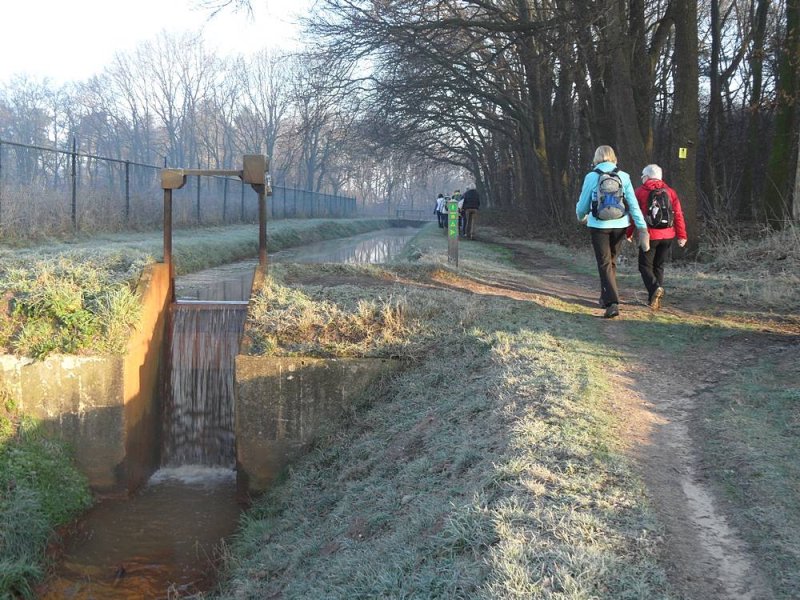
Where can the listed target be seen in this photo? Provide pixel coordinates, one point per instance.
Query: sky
(71, 40)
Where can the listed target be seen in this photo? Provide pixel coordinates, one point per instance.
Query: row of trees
(397, 100)
(172, 101)
(520, 92)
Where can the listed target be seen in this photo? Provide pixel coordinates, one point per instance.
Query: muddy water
(163, 541)
(159, 544)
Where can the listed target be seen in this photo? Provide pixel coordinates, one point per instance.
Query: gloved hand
(681, 243)
(644, 240)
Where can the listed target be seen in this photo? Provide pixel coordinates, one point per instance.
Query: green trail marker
(452, 232)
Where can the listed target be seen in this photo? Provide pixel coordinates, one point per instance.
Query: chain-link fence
(46, 191)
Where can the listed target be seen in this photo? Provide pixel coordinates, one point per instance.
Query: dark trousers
(442, 219)
(606, 244)
(470, 214)
(651, 264)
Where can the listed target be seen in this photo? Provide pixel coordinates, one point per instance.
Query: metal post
(74, 185)
(452, 233)
(224, 200)
(241, 211)
(198, 200)
(168, 236)
(127, 191)
(262, 228)
(1, 179)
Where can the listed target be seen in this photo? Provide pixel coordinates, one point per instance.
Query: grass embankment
(79, 297)
(489, 468)
(39, 490)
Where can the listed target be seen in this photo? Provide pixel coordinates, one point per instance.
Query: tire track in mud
(705, 557)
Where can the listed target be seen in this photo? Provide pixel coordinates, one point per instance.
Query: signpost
(452, 232)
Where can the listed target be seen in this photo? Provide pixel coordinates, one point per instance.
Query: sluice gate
(204, 338)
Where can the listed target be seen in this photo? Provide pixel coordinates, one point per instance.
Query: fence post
(74, 184)
(127, 192)
(1, 181)
(224, 200)
(198, 200)
(241, 215)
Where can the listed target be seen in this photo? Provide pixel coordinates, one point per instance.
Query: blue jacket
(584, 206)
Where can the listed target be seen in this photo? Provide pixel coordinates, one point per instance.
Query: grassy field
(490, 468)
(492, 465)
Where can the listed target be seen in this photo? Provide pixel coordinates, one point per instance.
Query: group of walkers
(607, 205)
(468, 204)
(611, 209)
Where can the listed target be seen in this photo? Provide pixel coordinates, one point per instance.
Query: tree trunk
(747, 200)
(686, 113)
(780, 172)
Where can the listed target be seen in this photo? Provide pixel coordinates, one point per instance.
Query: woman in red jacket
(662, 211)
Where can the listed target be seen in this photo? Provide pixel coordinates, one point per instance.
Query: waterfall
(200, 398)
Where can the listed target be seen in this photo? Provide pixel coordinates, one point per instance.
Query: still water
(233, 281)
(164, 541)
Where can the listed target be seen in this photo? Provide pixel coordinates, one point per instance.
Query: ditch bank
(105, 407)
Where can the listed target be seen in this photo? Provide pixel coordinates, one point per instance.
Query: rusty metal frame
(255, 169)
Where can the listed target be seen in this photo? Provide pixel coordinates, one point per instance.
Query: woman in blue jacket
(606, 227)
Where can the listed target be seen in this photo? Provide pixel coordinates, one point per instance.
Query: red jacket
(679, 230)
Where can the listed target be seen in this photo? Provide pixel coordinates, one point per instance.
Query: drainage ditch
(164, 540)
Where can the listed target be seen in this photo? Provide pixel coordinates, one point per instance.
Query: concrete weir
(111, 408)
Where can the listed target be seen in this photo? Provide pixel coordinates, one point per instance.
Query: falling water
(199, 408)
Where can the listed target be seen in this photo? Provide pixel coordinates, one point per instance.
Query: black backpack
(658, 213)
(608, 201)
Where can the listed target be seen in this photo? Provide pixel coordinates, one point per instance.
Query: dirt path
(705, 557)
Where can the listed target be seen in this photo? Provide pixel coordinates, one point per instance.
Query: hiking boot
(611, 311)
(655, 299)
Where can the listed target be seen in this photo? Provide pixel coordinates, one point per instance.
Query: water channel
(163, 541)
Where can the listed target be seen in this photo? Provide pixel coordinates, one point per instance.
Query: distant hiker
(440, 210)
(456, 197)
(664, 217)
(606, 204)
(471, 205)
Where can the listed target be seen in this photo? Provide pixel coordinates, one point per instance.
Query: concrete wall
(144, 372)
(106, 407)
(281, 403)
(77, 399)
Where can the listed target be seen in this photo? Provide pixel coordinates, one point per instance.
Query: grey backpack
(608, 201)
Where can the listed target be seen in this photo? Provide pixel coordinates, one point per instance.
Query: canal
(165, 540)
